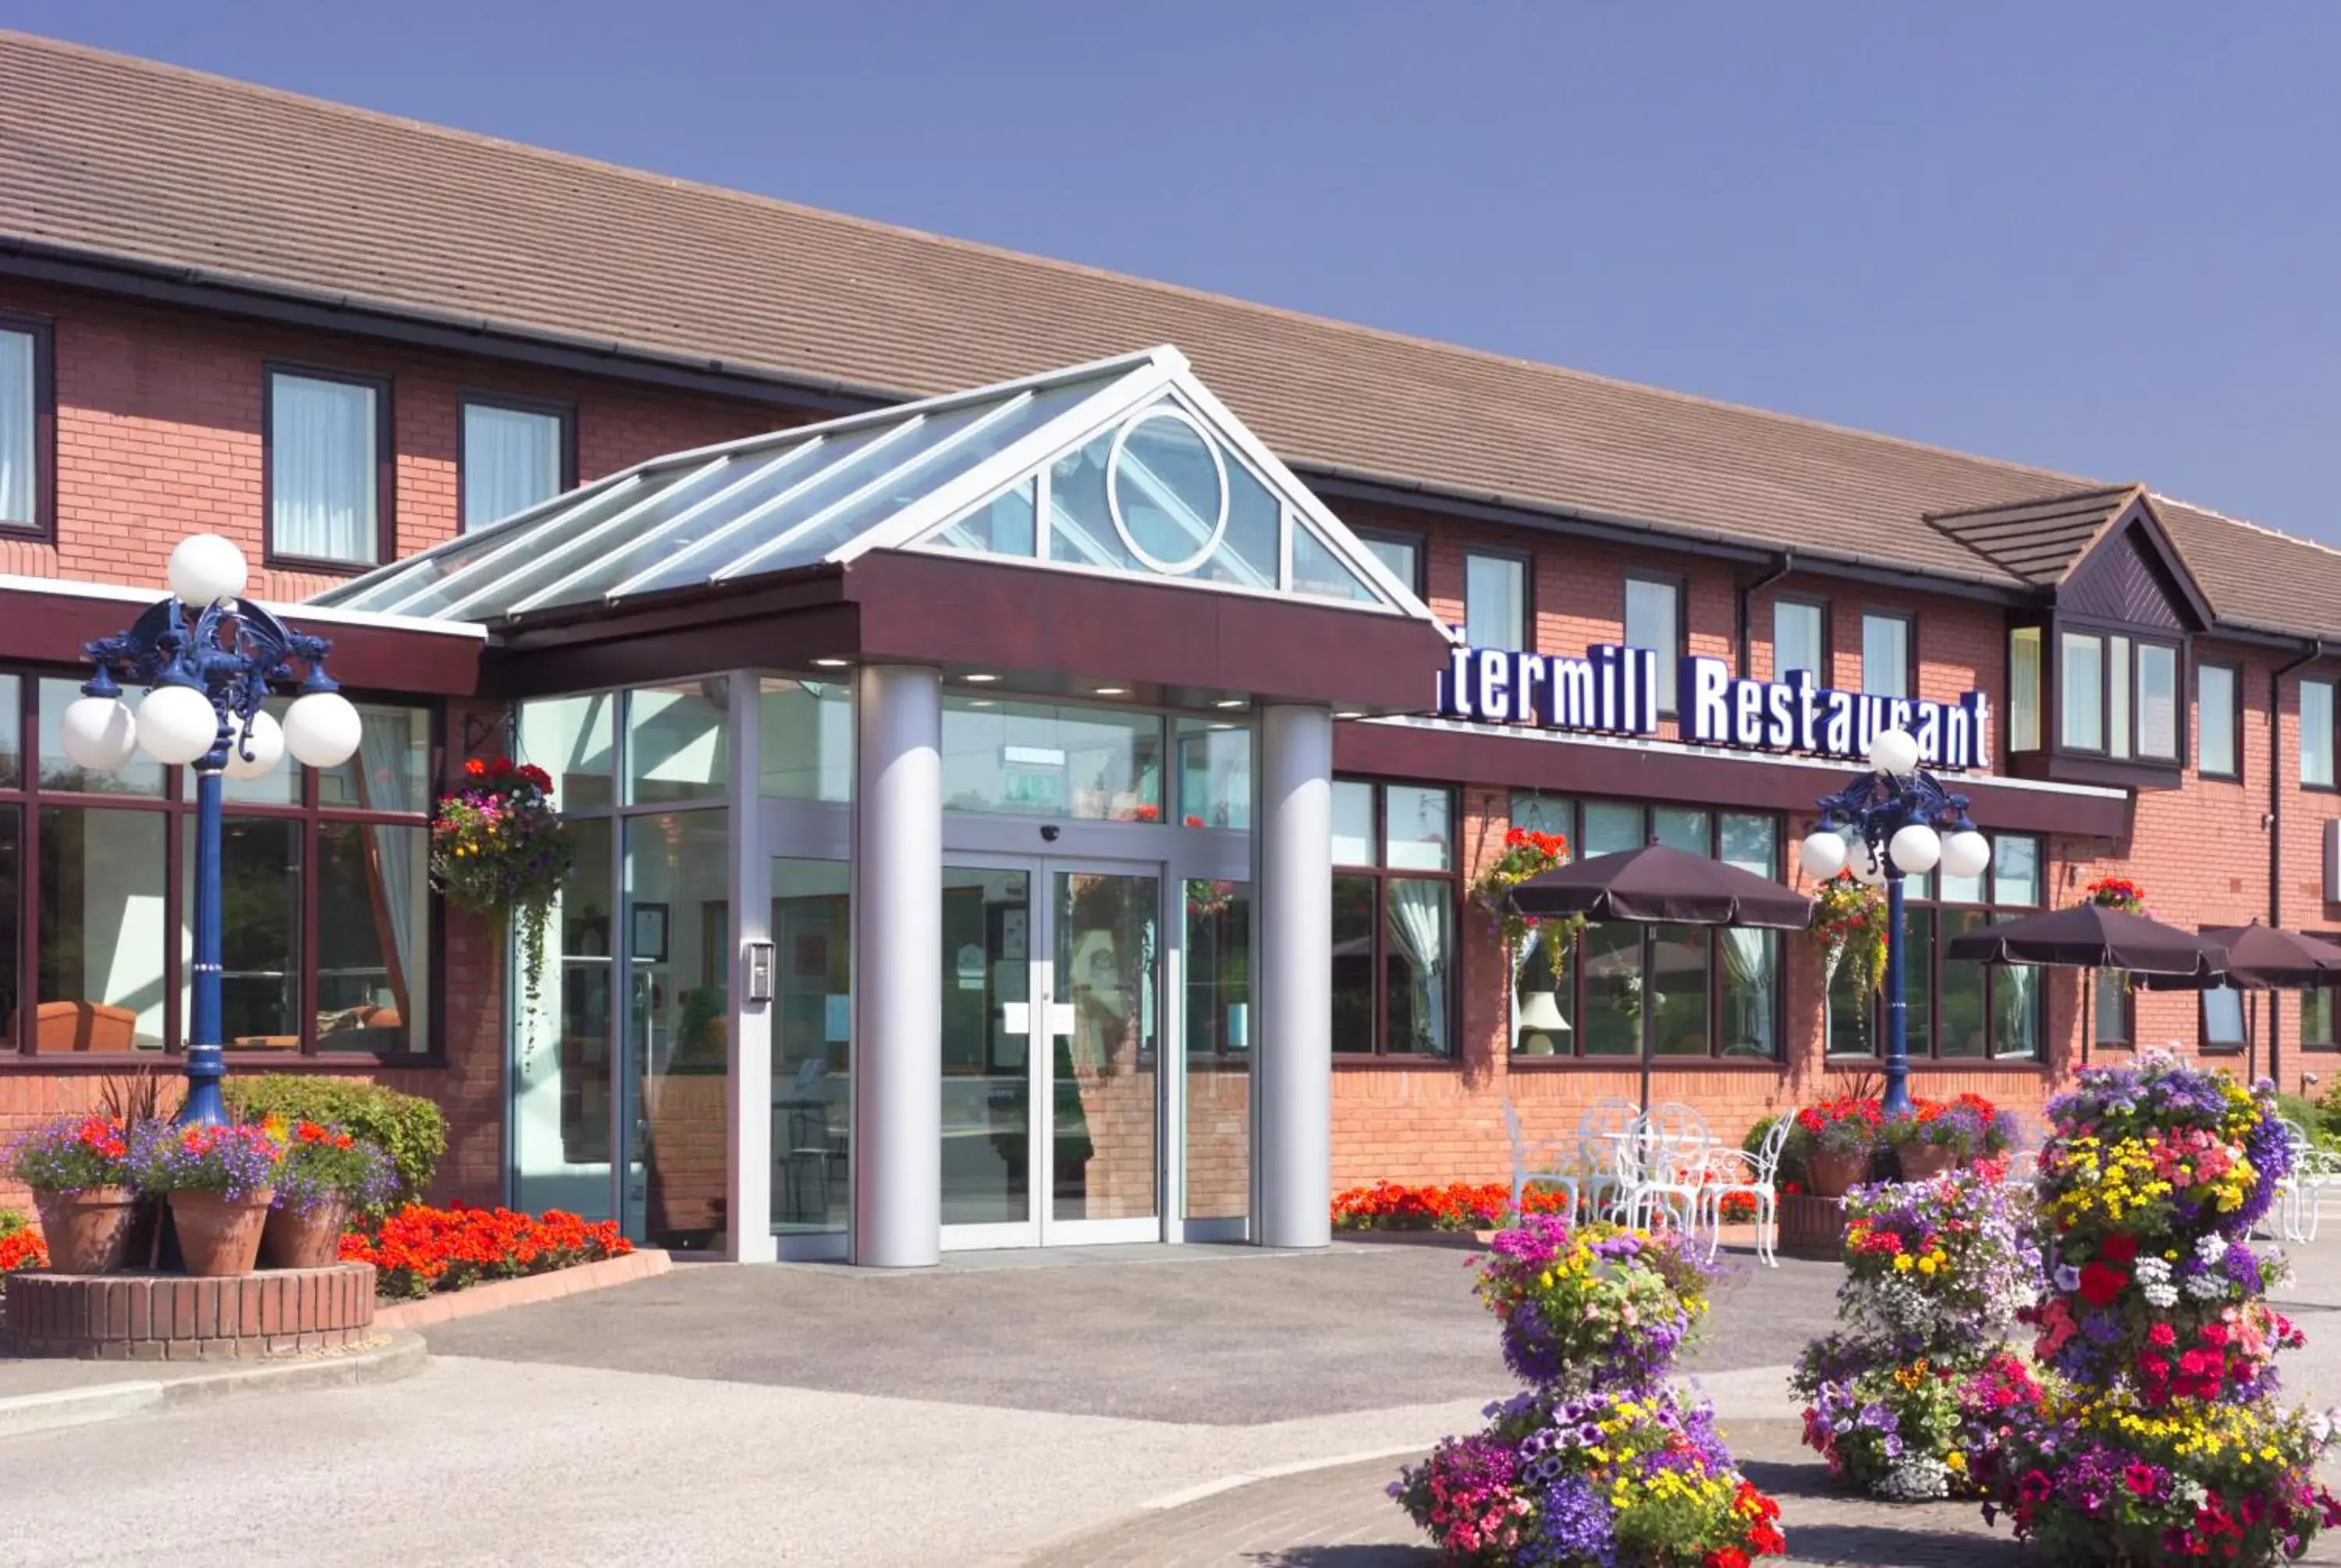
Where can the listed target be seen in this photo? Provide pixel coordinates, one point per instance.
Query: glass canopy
(1129, 467)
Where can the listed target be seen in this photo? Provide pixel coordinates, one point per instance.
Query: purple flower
(2068, 1279)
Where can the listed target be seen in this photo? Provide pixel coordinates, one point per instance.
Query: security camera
(1048, 831)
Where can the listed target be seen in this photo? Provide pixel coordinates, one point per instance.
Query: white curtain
(321, 470)
(383, 749)
(1749, 972)
(1417, 920)
(16, 424)
(512, 461)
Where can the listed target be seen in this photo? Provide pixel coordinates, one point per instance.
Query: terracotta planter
(87, 1231)
(219, 1235)
(1833, 1174)
(1921, 1161)
(311, 1238)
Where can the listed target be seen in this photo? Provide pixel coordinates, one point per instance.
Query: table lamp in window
(1540, 1020)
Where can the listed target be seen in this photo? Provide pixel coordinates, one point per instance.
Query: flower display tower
(2153, 1435)
(1599, 1463)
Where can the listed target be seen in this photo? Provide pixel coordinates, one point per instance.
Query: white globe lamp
(177, 724)
(206, 568)
(1868, 869)
(266, 739)
(99, 732)
(1914, 848)
(1822, 855)
(1894, 751)
(322, 730)
(1965, 853)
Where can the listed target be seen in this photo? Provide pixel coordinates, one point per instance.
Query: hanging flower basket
(1526, 853)
(1849, 927)
(498, 849)
(2118, 893)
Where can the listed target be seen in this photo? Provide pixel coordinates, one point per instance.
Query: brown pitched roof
(2039, 540)
(105, 155)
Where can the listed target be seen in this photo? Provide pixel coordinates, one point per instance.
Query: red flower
(2101, 1285)
(2119, 1248)
(2142, 1480)
(477, 769)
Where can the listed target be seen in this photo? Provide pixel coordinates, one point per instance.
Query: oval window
(1168, 491)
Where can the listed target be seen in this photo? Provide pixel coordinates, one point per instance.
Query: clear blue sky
(2101, 237)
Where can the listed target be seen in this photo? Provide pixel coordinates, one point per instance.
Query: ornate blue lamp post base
(1899, 815)
(210, 660)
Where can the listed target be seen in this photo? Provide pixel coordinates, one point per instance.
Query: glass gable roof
(1128, 467)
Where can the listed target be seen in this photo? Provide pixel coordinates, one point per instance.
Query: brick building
(349, 341)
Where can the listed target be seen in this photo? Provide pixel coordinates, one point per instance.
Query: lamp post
(1898, 814)
(209, 658)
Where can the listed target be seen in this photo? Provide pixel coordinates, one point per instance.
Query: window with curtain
(1653, 620)
(1682, 991)
(1401, 554)
(513, 457)
(2024, 688)
(1954, 1010)
(2158, 702)
(2081, 687)
(2217, 689)
(325, 936)
(2317, 734)
(324, 469)
(2316, 1020)
(1886, 654)
(2223, 1019)
(1495, 600)
(1394, 898)
(1800, 638)
(20, 426)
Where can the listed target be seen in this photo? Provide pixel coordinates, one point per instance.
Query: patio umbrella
(1659, 886)
(2261, 958)
(2092, 937)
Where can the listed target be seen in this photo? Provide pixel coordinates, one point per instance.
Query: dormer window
(2120, 696)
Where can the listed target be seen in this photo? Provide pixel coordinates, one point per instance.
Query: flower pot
(219, 1235)
(87, 1231)
(1922, 1161)
(1833, 1174)
(305, 1238)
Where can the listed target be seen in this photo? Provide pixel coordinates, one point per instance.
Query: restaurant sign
(1615, 691)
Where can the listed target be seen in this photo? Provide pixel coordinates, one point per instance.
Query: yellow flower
(1902, 1264)
(1955, 1459)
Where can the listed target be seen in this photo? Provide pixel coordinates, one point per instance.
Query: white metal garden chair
(2301, 1195)
(1535, 1164)
(1736, 1173)
(1602, 1136)
(1671, 1148)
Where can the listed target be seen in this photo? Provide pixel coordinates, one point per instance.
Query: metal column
(1295, 1061)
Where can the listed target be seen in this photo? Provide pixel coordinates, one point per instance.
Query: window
(2158, 702)
(1394, 894)
(1886, 654)
(328, 468)
(1495, 600)
(325, 936)
(1033, 758)
(1954, 1010)
(2316, 1020)
(2114, 1014)
(513, 456)
(27, 424)
(2218, 716)
(1654, 620)
(2084, 690)
(2223, 1019)
(1683, 991)
(1800, 638)
(1403, 553)
(2118, 696)
(2317, 734)
(2024, 688)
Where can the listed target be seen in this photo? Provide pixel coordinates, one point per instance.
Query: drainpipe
(1747, 593)
(2314, 651)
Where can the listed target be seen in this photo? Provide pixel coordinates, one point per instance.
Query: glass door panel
(1219, 1050)
(1104, 1104)
(562, 1113)
(678, 951)
(989, 955)
(813, 1045)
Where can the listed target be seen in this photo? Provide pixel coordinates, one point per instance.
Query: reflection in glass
(2016, 870)
(677, 882)
(1611, 1021)
(1679, 1003)
(1000, 526)
(1542, 1000)
(391, 769)
(2223, 1018)
(373, 950)
(1353, 964)
(1852, 1012)
(1214, 774)
(1680, 827)
(1420, 827)
(1039, 760)
(1546, 814)
(2016, 998)
(1219, 1050)
(571, 738)
(11, 821)
(1353, 823)
(1102, 1120)
(813, 1044)
(1918, 981)
(806, 735)
(1610, 828)
(1321, 573)
(1964, 991)
(260, 929)
(678, 741)
(988, 1029)
(561, 1074)
(101, 927)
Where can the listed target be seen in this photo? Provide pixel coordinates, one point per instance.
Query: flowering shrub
(2153, 1436)
(237, 1161)
(1936, 1274)
(73, 1153)
(499, 849)
(20, 1247)
(1843, 1126)
(1458, 1205)
(1526, 853)
(418, 1250)
(1969, 1126)
(2117, 893)
(1849, 927)
(324, 1165)
(1599, 1463)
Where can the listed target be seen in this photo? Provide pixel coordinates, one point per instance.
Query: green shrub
(13, 1220)
(407, 1128)
(2320, 1119)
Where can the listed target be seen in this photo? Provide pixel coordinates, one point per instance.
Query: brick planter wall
(1812, 1226)
(172, 1318)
